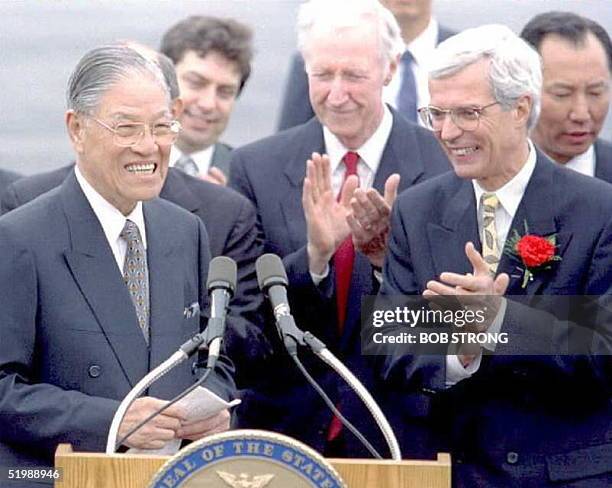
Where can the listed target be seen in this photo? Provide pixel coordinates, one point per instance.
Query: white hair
(515, 68)
(331, 15)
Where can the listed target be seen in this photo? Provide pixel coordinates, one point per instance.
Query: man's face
(209, 87)
(488, 153)
(575, 96)
(346, 74)
(123, 175)
(408, 9)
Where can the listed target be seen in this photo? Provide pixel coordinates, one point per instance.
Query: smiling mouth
(463, 151)
(141, 168)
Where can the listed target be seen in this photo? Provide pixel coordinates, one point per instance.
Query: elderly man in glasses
(97, 274)
(531, 414)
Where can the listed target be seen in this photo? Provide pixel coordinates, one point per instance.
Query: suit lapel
(221, 157)
(401, 155)
(165, 279)
(310, 139)
(538, 212)
(603, 161)
(95, 270)
(458, 226)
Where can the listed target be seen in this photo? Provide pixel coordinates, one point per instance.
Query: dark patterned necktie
(136, 274)
(186, 164)
(407, 97)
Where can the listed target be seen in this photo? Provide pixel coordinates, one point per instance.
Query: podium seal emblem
(247, 459)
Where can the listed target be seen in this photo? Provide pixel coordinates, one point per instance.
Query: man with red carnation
(507, 225)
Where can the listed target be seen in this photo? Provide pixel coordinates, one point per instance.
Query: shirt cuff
(455, 372)
(317, 278)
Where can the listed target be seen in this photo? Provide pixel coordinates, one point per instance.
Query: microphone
(221, 284)
(273, 282)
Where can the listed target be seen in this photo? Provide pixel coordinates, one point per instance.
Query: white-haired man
(527, 415)
(351, 51)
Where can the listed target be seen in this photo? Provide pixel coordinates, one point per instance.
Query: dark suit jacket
(296, 108)
(71, 346)
(221, 157)
(233, 231)
(603, 160)
(271, 173)
(6, 178)
(519, 420)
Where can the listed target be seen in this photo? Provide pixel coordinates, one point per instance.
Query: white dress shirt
(112, 220)
(202, 159)
(584, 163)
(370, 154)
(510, 196)
(420, 48)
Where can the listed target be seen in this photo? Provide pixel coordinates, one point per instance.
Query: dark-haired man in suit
(408, 89)
(531, 414)
(301, 182)
(577, 68)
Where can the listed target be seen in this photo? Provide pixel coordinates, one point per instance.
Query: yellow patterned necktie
(490, 248)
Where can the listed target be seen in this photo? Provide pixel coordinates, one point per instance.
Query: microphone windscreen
(270, 271)
(222, 273)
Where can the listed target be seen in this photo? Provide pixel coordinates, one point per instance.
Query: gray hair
(515, 67)
(338, 14)
(103, 67)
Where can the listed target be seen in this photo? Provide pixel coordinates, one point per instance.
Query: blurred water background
(41, 41)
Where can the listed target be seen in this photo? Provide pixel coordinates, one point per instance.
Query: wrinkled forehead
(136, 95)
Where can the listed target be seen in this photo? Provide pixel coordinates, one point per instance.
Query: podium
(98, 470)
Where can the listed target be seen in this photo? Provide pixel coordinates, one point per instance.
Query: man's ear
(523, 108)
(177, 108)
(393, 64)
(75, 125)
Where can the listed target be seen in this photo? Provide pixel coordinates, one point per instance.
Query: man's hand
(219, 422)
(155, 433)
(215, 175)
(325, 217)
(370, 220)
(475, 290)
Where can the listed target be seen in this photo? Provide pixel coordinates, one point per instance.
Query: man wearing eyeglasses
(535, 410)
(97, 274)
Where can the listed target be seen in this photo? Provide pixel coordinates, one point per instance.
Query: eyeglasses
(466, 118)
(128, 135)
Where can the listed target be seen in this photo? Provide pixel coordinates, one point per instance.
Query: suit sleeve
(33, 413)
(295, 108)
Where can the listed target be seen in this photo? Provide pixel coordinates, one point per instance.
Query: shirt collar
(370, 152)
(110, 218)
(423, 45)
(584, 163)
(511, 194)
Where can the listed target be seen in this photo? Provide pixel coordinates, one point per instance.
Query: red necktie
(345, 254)
(343, 266)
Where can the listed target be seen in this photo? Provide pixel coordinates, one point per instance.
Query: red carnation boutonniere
(536, 253)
